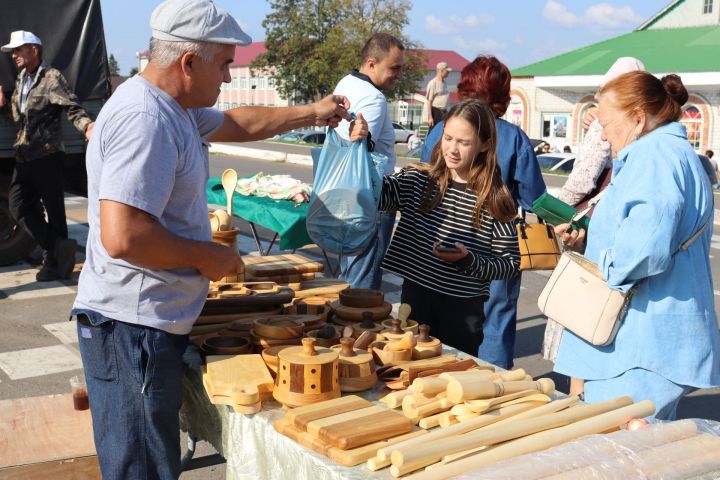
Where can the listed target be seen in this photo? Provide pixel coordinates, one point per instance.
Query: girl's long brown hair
(484, 178)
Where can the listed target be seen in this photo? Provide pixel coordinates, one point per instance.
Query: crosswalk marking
(66, 332)
(35, 362)
(18, 283)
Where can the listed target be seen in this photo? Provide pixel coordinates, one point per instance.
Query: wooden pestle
(423, 336)
(365, 339)
(407, 342)
(430, 385)
(367, 321)
(346, 347)
(463, 388)
(396, 328)
(394, 399)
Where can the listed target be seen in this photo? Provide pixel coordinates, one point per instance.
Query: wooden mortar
(356, 367)
(427, 346)
(383, 356)
(280, 327)
(393, 330)
(368, 324)
(326, 336)
(306, 375)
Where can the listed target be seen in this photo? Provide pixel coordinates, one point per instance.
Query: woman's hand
(358, 128)
(453, 256)
(574, 240)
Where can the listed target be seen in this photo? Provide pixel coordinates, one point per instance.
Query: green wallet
(554, 211)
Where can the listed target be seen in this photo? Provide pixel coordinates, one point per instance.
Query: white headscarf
(622, 65)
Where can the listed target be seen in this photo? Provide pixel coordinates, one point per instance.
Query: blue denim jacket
(658, 198)
(516, 158)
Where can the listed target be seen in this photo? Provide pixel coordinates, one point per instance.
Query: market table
(284, 217)
(250, 444)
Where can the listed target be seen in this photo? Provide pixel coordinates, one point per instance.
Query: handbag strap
(686, 244)
(590, 205)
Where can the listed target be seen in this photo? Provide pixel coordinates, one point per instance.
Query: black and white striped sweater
(492, 249)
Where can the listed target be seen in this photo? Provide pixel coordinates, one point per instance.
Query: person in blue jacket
(659, 198)
(488, 79)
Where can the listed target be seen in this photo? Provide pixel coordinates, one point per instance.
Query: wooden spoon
(214, 222)
(229, 182)
(404, 314)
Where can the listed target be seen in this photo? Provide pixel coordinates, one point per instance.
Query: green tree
(113, 65)
(134, 71)
(312, 44)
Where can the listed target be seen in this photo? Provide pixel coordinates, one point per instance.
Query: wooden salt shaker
(357, 368)
(427, 346)
(306, 375)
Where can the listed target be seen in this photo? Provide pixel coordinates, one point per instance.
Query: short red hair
(486, 78)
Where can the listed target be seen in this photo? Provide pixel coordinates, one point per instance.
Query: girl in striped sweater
(456, 230)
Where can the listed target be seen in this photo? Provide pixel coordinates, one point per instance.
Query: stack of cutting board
(241, 381)
(348, 430)
(290, 268)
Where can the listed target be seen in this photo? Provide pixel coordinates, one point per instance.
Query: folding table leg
(190, 463)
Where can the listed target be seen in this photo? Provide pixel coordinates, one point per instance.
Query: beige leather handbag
(578, 298)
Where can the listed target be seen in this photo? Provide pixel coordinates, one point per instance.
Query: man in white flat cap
(41, 94)
(437, 95)
(149, 250)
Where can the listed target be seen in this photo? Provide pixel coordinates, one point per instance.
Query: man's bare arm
(137, 237)
(256, 123)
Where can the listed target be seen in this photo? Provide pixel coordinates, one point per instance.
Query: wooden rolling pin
(394, 399)
(595, 423)
(462, 388)
(599, 449)
(422, 455)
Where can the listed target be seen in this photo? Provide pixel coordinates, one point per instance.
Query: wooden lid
(308, 354)
(350, 355)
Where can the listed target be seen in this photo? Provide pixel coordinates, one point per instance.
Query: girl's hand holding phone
(448, 253)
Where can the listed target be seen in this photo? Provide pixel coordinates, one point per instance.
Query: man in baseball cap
(437, 95)
(149, 254)
(41, 95)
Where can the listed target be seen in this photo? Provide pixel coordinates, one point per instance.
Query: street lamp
(253, 87)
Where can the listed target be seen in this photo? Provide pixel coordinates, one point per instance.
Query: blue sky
(518, 32)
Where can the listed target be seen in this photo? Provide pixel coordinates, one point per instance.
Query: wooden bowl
(324, 342)
(262, 343)
(356, 314)
(280, 327)
(226, 345)
(306, 309)
(262, 287)
(314, 300)
(361, 297)
(270, 356)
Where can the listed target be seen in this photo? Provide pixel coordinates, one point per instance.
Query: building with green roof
(550, 97)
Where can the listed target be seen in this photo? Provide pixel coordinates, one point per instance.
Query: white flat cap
(195, 21)
(20, 38)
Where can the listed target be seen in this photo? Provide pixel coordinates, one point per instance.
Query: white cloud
(489, 45)
(558, 13)
(453, 23)
(602, 16)
(607, 16)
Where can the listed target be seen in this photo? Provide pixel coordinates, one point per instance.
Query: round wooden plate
(356, 314)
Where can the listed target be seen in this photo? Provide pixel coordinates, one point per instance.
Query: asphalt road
(38, 348)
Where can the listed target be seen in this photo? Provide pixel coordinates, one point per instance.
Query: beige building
(549, 97)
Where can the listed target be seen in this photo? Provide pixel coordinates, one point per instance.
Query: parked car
(556, 162)
(402, 134)
(302, 136)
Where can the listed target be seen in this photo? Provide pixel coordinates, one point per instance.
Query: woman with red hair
(487, 78)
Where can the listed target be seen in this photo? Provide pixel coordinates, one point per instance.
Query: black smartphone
(448, 249)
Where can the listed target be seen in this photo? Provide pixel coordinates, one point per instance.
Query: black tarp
(73, 42)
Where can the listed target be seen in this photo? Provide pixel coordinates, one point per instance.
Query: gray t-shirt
(148, 152)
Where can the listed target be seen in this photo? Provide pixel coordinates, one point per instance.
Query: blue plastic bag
(347, 186)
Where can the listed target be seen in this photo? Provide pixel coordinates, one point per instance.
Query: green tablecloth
(281, 216)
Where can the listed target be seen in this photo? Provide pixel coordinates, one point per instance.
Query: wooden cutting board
(228, 375)
(364, 428)
(320, 286)
(274, 265)
(285, 278)
(301, 416)
(348, 458)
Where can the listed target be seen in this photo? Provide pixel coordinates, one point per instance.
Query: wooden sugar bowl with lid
(427, 346)
(306, 375)
(357, 368)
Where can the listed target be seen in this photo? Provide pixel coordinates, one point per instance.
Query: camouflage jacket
(39, 128)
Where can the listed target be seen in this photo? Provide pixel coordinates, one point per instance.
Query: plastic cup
(79, 393)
